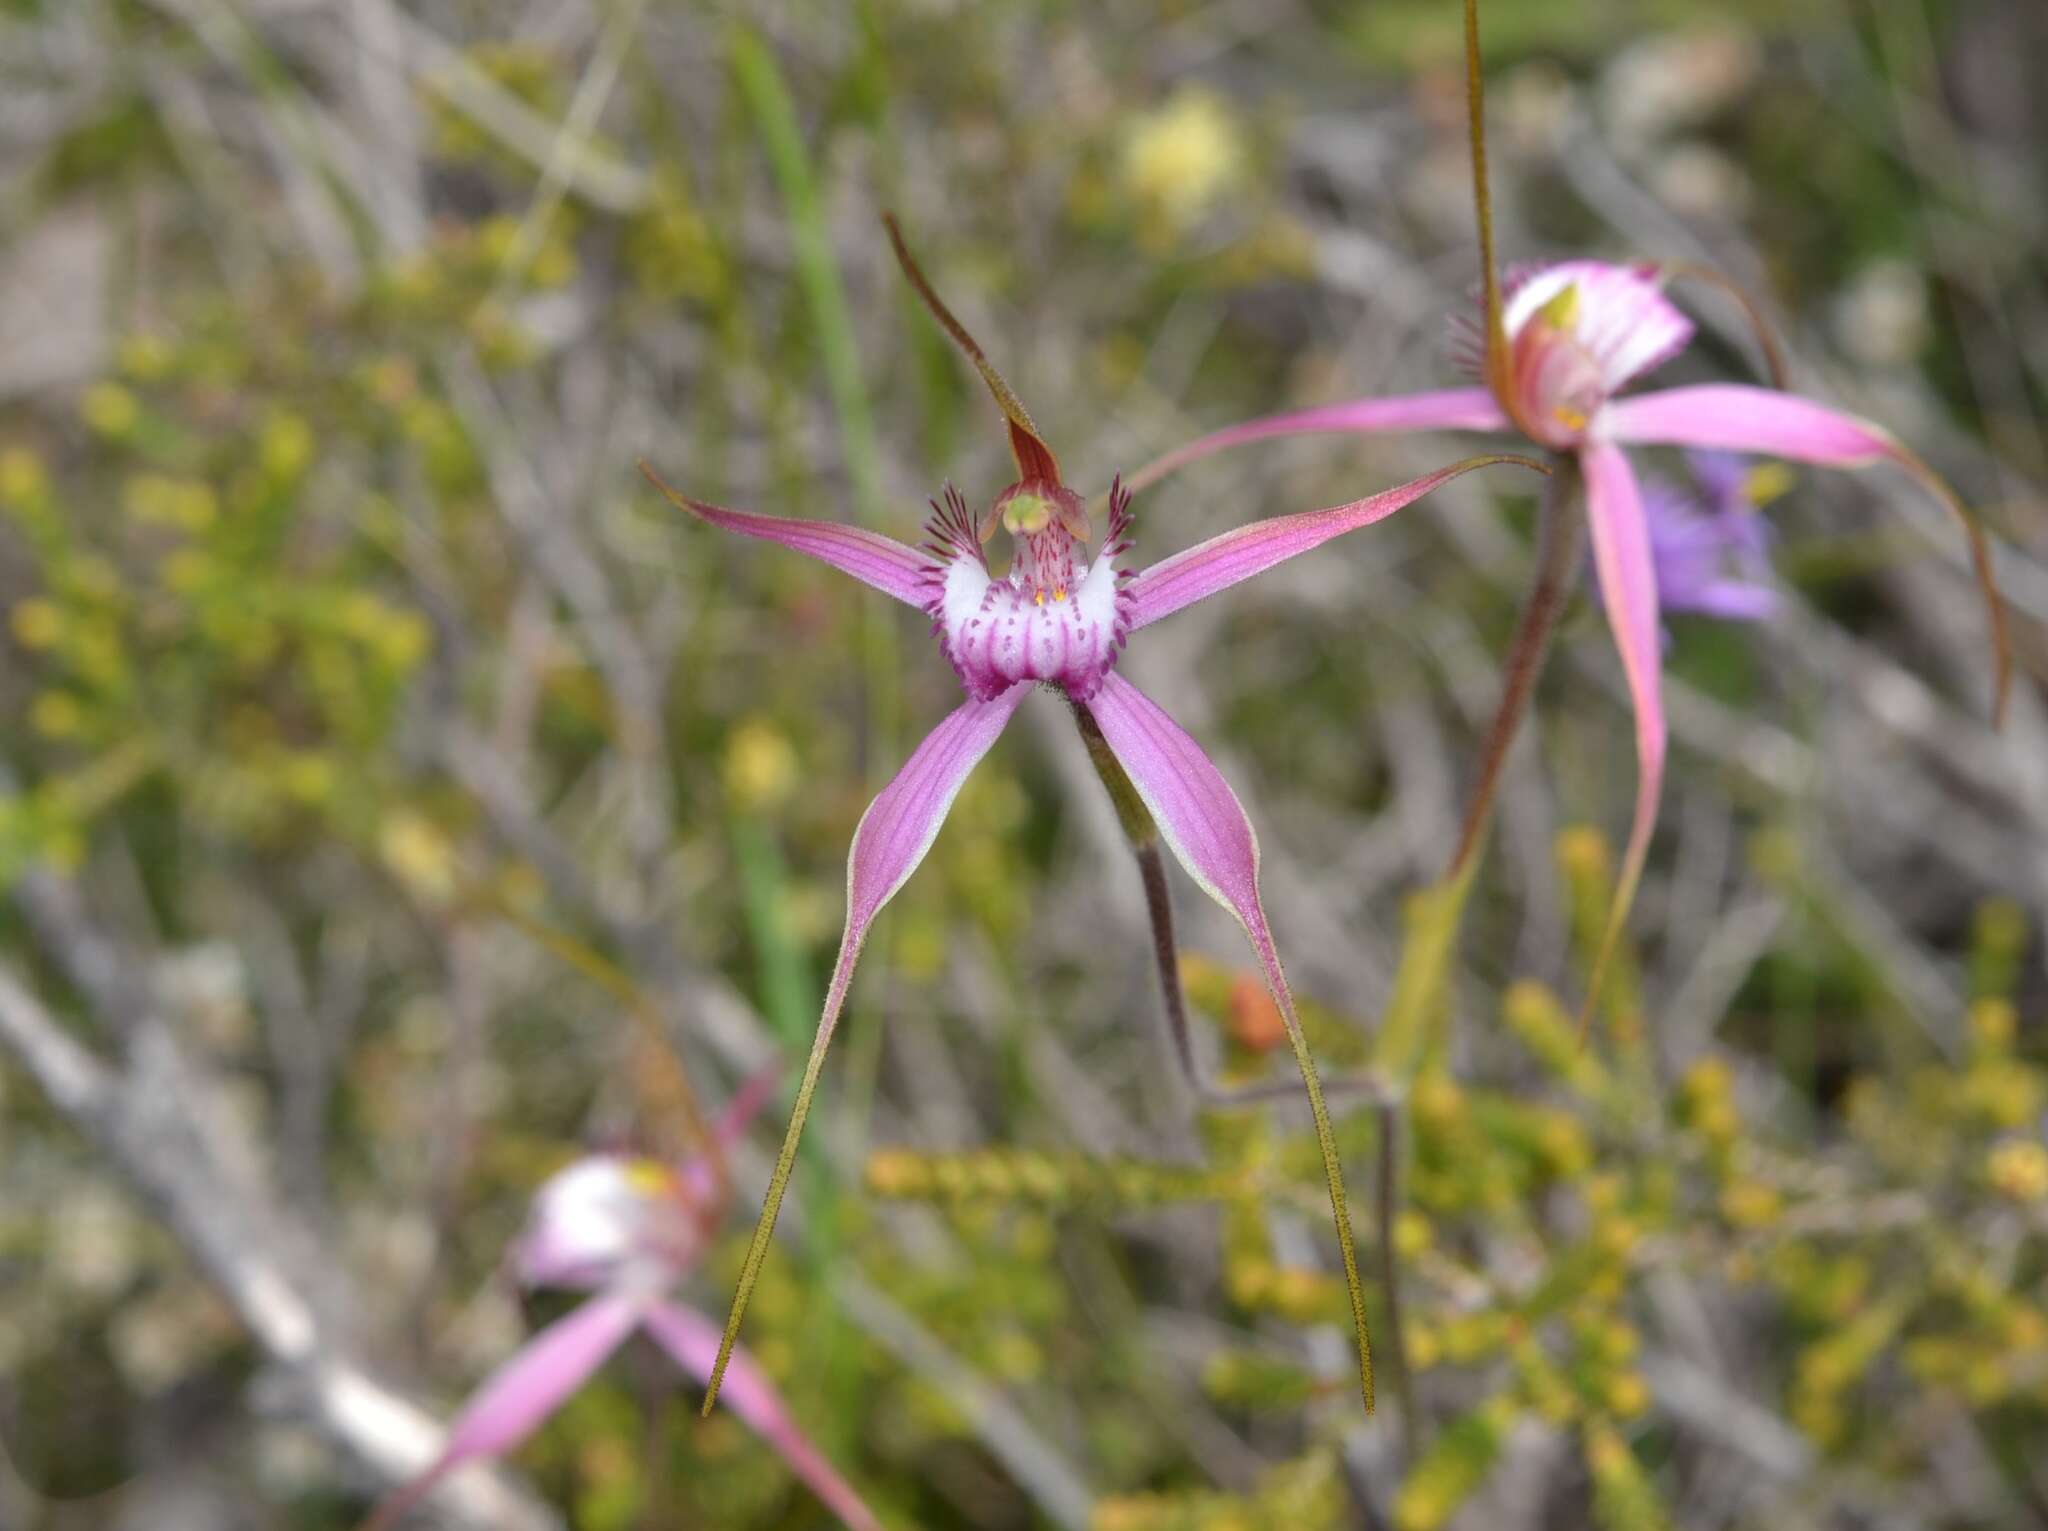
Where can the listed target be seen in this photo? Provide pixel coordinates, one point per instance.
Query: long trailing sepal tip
(771, 1208)
(1326, 1142)
(892, 838)
(1206, 828)
(1980, 565)
(1759, 327)
(1035, 459)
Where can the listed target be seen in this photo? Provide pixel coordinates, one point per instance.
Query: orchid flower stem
(1412, 1024)
(1386, 1207)
(1560, 523)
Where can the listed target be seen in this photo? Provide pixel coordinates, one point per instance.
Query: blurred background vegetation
(396, 799)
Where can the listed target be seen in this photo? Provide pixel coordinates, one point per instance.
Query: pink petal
(892, 839)
(693, 1340)
(868, 556)
(1237, 555)
(1621, 318)
(905, 816)
(1201, 818)
(523, 1392)
(1205, 827)
(1628, 587)
(1452, 409)
(592, 1219)
(534, 1382)
(1741, 418)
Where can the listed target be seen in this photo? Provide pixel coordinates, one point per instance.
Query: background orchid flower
(1558, 347)
(1059, 617)
(1708, 546)
(625, 1229)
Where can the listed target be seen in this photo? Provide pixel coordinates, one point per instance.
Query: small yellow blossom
(286, 447)
(760, 766)
(2019, 1170)
(1412, 1234)
(56, 715)
(1582, 852)
(38, 623)
(1627, 1395)
(419, 855)
(146, 357)
(110, 409)
(22, 477)
(1751, 1203)
(1183, 158)
(1992, 1023)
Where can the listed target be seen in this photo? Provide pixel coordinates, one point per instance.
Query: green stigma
(1562, 312)
(1025, 514)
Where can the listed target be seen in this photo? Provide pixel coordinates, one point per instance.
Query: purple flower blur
(1708, 547)
(1059, 616)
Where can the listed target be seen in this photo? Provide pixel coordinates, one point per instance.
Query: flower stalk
(1418, 1002)
(1560, 534)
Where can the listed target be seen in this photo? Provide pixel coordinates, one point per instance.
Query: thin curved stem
(1482, 199)
(1558, 536)
(1767, 342)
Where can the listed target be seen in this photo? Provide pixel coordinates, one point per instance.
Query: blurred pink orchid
(1058, 617)
(1555, 348)
(626, 1230)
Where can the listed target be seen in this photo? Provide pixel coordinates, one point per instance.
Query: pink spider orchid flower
(625, 1229)
(1560, 344)
(1059, 618)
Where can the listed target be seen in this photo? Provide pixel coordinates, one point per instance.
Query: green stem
(774, 113)
(1558, 536)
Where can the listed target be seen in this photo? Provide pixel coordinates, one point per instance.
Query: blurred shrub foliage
(430, 772)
